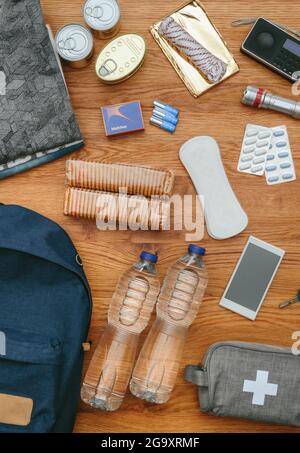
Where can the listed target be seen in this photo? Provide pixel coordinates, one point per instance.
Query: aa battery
(166, 107)
(162, 124)
(164, 116)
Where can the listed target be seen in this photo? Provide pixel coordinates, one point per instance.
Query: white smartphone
(252, 278)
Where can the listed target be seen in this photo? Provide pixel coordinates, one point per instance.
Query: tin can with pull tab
(103, 17)
(74, 44)
(120, 58)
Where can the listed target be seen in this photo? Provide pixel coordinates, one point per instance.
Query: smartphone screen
(252, 277)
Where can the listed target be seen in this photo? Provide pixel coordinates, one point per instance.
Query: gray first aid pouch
(249, 380)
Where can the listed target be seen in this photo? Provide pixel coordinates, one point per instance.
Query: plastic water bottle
(109, 372)
(183, 289)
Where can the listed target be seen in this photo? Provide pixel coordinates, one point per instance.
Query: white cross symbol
(260, 388)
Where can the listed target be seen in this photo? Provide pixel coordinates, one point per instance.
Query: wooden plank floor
(273, 211)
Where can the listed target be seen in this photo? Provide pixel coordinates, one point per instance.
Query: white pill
(264, 135)
(246, 158)
(258, 160)
(249, 150)
(262, 144)
(250, 141)
(257, 169)
(270, 156)
(252, 133)
(260, 152)
(245, 166)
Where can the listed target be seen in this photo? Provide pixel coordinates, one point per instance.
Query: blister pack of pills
(266, 151)
(279, 163)
(256, 143)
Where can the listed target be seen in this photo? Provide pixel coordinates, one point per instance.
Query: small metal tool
(291, 301)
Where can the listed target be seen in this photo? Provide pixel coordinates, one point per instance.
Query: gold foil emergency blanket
(198, 77)
(212, 67)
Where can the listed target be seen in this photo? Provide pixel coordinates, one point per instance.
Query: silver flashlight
(257, 97)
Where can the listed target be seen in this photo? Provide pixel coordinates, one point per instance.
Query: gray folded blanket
(37, 123)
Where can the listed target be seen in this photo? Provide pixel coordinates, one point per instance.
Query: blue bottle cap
(148, 257)
(196, 249)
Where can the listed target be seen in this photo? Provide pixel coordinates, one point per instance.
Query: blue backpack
(45, 305)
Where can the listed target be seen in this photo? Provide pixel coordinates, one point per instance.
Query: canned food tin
(120, 58)
(74, 44)
(103, 17)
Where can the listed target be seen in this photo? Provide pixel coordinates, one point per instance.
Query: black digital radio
(272, 46)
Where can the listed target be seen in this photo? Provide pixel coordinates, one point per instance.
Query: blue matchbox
(122, 118)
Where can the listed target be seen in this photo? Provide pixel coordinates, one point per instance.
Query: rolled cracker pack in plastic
(114, 208)
(109, 177)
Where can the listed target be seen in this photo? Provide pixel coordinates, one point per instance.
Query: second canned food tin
(74, 44)
(103, 17)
